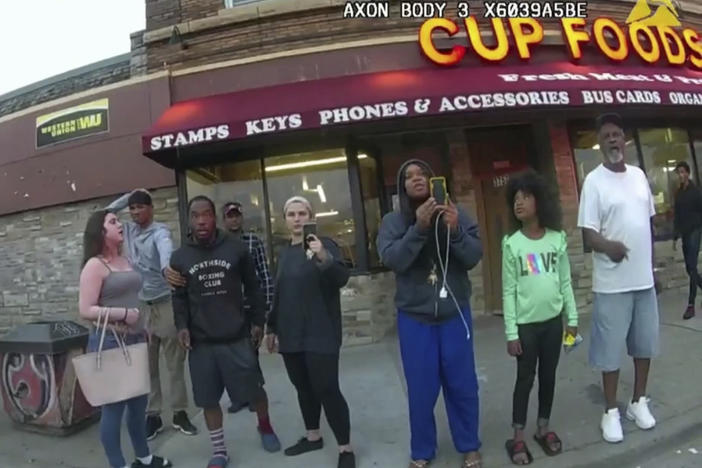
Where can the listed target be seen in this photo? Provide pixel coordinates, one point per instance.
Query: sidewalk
(373, 383)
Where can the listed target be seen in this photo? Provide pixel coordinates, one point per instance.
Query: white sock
(146, 460)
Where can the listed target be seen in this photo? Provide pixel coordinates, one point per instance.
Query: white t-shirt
(619, 205)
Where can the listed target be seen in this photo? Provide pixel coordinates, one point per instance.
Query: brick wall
(40, 257)
(162, 13)
(214, 34)
(99, 74)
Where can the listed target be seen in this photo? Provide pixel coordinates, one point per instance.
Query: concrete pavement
(374, 386)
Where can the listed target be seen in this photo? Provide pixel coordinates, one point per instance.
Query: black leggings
(691, 252)
(316, 379)
(541, 342)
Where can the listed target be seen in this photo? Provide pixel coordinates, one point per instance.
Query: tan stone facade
(41, 253)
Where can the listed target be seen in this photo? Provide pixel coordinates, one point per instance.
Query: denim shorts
(110, 341)
(619, 319)
(232, 367)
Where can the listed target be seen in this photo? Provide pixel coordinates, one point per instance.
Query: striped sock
(217, 439)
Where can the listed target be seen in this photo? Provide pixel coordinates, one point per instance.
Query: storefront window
(662, 148)
(236, 182)
(371, 204)
(321, 177)
(588, 156)
(697, 143)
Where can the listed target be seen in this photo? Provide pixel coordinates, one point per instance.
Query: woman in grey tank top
(109, 286)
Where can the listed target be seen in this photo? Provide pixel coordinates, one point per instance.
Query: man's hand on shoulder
(174, 278)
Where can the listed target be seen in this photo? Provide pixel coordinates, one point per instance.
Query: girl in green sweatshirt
(536, 292)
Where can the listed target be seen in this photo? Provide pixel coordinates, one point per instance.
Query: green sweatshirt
(536, 283)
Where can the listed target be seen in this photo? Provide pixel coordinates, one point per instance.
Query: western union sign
(77, 122)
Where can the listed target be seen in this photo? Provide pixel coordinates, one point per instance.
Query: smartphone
(438, 189)
(307, 229)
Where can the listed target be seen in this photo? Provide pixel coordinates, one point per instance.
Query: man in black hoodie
(688, 225)
(434, 318)
(209, 315)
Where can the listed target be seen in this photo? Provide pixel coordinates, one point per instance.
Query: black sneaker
(304, 445)
(154, 425)
(689, 312)
(182, 423)
(236, 407)
(156, 462)
(347, 460)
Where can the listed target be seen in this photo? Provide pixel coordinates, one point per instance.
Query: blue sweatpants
(438, 357)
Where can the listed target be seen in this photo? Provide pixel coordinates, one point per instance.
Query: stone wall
(367, 308)
(40, 256)
(91, 76)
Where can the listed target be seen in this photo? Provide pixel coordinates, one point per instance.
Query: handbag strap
(118, 339)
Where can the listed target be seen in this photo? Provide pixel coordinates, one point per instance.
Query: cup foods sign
(651, 44)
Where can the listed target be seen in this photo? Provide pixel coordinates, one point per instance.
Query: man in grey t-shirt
(149, 247)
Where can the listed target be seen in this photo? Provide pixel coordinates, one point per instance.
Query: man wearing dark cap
(149, 248)
(233, 215)
(616, 207)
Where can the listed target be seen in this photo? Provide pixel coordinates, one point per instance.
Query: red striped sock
(217, 439)
(264, 425)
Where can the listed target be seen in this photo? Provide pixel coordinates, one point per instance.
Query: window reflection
(235, 182)
(322, 178)
(662, 148)
(371, 204)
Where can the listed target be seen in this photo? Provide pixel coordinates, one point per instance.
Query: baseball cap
(610, 117)
(232, 206)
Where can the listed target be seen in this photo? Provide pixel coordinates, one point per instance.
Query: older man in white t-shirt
(616, 207)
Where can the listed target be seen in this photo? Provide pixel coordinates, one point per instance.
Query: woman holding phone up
(304, 326)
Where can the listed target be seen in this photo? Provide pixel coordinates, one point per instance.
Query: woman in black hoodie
(431, 248)
(305, 327)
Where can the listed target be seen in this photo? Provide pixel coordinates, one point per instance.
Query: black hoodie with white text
(211, 305)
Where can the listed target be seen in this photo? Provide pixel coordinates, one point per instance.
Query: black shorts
(230, 366)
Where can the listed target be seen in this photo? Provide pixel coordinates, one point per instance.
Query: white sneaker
(612, 427)
(640, 413)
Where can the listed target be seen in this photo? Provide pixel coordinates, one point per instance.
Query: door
(496, 155)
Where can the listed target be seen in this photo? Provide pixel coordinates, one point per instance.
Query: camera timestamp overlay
(489, 9)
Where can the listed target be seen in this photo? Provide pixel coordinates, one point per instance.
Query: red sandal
(547, 442)
(516, 448)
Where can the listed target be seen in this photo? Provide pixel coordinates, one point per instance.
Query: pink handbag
(118, 374)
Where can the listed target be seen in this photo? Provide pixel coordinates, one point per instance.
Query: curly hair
(548, 208)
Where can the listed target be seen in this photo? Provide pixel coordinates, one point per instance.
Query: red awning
(431, 91)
